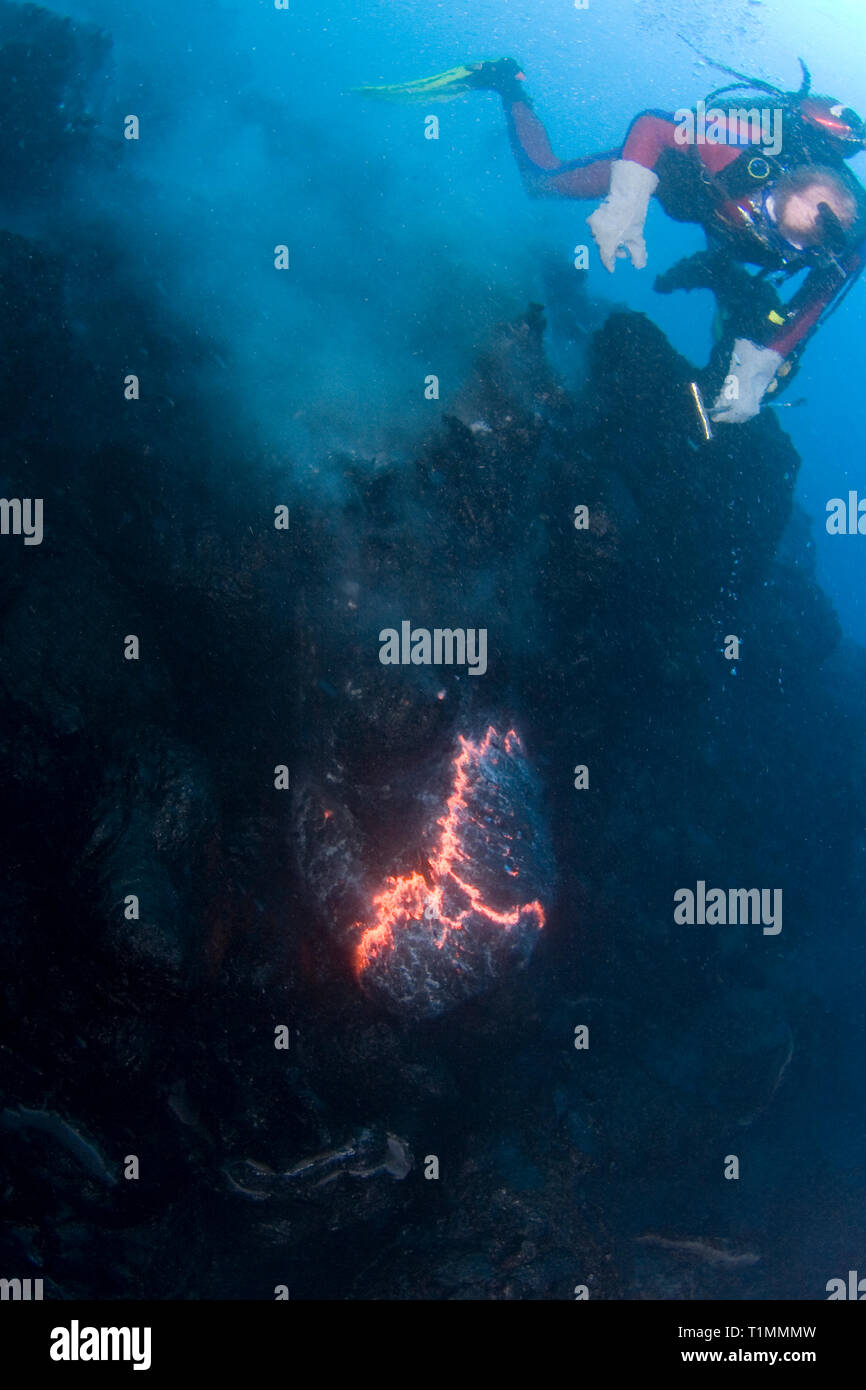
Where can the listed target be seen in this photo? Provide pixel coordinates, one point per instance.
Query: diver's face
(799, 219)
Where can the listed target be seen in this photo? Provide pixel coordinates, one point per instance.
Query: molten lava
(483, 840)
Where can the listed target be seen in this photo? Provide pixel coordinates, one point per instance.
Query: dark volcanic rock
(445, 933)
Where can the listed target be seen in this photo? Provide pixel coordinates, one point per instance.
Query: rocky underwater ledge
(538, 1088)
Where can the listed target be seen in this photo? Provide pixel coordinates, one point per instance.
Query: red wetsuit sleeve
(648, 136)
(652, 133)
(547, 176)
(812, 300)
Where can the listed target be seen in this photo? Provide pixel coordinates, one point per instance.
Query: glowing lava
(465, 915)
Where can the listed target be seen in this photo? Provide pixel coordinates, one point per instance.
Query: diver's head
(841, 129)
(812, 206)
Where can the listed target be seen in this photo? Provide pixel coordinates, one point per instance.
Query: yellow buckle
(758, 167)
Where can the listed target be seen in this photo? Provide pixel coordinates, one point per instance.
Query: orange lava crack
(414, 898)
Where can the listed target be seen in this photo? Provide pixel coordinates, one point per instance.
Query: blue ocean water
(406, 250)
(406, 254)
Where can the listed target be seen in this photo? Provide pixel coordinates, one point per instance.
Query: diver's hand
(751, 370)
(617, 225)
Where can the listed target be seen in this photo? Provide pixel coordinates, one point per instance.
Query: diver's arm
(759, 367)
(810, 303)
(617, 225)
(653, 132)
(548, 176)
(649, 135)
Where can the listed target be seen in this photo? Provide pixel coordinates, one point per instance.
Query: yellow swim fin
(442, 86)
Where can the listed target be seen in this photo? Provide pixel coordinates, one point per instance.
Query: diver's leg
(543, 174)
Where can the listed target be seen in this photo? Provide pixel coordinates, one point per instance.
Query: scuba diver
(785, 208)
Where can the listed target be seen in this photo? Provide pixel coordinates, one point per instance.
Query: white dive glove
(753, 368)
(617, 224)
